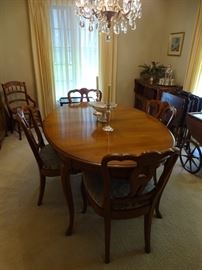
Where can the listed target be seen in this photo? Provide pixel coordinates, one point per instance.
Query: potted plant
(152, 72)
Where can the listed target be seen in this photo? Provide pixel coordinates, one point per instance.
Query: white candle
(97, 83)
(108, 94)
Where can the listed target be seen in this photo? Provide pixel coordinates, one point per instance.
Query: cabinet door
(144, 92)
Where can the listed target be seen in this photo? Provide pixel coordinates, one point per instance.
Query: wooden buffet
(145, 91)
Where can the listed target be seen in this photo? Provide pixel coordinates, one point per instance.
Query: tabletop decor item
(96, 113)
(152, 72)
(105, 110)
(107, 127)
(169, 78)
(101, 107)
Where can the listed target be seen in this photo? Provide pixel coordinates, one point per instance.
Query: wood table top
(74, 132)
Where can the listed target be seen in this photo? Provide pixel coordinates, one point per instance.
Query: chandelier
(108, 16)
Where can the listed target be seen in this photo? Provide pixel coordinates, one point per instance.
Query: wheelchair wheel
(191, 156)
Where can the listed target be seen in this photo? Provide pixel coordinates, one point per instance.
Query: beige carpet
(33, 238)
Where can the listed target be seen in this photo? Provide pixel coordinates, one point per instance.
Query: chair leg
(158, 213)
(19, 131)
(107, 221)
(155, 179)
(42, 188)
(12, 125)
(83, 193)
(147, 231)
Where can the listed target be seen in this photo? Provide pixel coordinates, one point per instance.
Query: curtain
(42, 54)
(193, 80)
(75, 50)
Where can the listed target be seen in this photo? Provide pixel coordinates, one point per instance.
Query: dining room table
(75, 133)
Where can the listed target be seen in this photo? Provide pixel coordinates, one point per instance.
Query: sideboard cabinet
(145, 91)
(2, 122)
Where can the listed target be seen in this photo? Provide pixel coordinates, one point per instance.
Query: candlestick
(108, 94)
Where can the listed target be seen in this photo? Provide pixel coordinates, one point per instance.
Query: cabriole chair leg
(42, 188)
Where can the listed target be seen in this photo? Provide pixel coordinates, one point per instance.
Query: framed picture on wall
(175, 43)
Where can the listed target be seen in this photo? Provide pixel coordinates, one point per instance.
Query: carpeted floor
(33, 238)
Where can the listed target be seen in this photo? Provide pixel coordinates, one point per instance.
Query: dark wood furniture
(182, 100)
(178, 124)
(84, 94)
(162, 110)
(81, 142)
(191, 153)
(145, 91)
(16, 96)
(77, 98)
(127, 191)
(3, 128)
(46, 157)
(194, 125)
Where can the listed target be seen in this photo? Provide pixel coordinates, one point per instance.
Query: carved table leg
(65, 177)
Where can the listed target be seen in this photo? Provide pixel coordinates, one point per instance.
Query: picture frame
(175, 43)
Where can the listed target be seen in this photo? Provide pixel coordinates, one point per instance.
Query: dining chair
(178, 125)
(47, 159)
(84, 94)
(124, 188)
(161, 110)
(16, 96)
(167, 115)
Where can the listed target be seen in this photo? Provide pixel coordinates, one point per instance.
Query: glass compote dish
(105, 110)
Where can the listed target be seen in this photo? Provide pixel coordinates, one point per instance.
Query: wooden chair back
(179, 103)
(161, 110)
(16, 96)
(37, 122)
(35, 142)
(47, 159)
(167, 115)
(84, 94)
(139, 173)
(126, 189)
(154, 107)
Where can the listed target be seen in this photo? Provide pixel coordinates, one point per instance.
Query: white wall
(138, 47)
(15, 47)
(181, 17)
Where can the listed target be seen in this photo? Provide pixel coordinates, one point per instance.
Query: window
(75, 52)
(198, 87)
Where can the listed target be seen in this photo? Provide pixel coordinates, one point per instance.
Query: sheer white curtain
(75, 50)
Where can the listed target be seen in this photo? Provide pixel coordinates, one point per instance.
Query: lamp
(109, 15)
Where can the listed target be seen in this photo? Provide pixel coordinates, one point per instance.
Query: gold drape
(42, 54)
(194, 71)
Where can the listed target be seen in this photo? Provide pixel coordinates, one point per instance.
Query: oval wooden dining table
(81, 142)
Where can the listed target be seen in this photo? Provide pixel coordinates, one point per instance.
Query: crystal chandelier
(109, 15)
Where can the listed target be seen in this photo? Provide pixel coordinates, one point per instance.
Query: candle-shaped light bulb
(97, 83)
(108, 94)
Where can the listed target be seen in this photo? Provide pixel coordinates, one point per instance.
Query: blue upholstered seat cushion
(49, 157)
(120, 189)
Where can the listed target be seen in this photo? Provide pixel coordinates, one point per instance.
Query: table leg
(65, 177)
